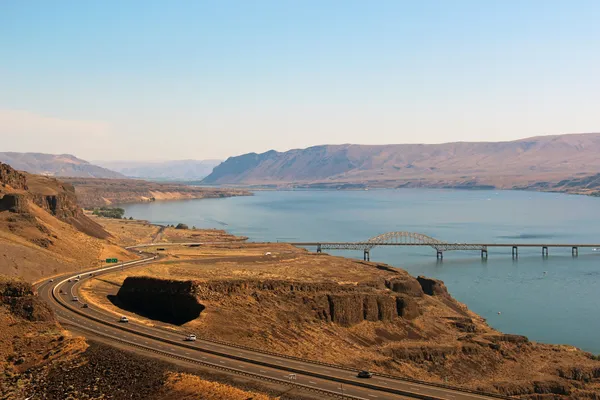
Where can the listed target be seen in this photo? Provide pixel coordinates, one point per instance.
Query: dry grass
(37, 245)
(127, 232)
(181, 386)
(198, 235)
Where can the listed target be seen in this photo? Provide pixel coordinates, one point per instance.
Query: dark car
(365, 374)
(85, 305)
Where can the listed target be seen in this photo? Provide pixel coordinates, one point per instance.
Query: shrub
(108, 212)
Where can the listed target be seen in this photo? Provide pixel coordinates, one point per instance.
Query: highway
(306, 375)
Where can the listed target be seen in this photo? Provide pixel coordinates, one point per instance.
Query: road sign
(111, 260)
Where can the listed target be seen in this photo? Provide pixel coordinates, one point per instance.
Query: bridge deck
(367, 244)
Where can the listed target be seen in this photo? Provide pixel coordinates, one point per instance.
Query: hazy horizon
(150, 81)
(102, 162)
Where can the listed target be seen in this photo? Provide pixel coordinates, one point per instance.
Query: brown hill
(43, 231)
(460, 164)
(56, 165)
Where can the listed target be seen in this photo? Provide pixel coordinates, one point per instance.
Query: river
(551, 300)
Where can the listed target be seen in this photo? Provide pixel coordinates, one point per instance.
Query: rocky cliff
(12, 178)
(170, 301)
(179, 302)
(22, 301)
(57, 198)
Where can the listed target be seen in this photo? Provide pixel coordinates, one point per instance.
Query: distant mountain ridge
(185, 170)
(460, 164)
(60, 165)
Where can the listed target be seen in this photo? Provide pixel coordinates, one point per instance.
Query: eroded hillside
(43, 231)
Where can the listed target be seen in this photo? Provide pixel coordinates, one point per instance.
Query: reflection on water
(554, 299)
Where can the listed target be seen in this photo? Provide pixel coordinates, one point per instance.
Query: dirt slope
(43, 231)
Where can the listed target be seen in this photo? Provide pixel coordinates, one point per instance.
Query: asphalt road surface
(305, 374)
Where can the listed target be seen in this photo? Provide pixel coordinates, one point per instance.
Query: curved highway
(62, 295)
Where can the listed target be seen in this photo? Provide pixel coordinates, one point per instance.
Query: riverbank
(105, 192)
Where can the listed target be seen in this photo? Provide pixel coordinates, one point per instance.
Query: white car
(75, 298)
(76, 279)
(124, 319)
(190, 338)
(51, 280)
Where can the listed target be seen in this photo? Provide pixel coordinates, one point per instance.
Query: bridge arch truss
(402, 239)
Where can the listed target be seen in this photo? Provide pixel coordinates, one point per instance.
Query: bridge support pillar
(575, 251)
(440, 255)
(318, 248)
(367, 255)
(545, 251)
(515, 252)
(484, 254)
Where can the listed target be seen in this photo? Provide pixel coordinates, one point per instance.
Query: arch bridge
(397, 239)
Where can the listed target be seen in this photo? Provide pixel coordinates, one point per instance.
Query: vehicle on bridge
(124, 319)
(75, 298)
(190, 338)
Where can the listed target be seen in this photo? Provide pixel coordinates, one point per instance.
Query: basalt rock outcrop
(18, 190)
(182, 301)
(169, 301)
(433, 287)
(22, 301)
(12, 178)
(15, 203)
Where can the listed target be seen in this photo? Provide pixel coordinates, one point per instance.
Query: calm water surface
(559, 306)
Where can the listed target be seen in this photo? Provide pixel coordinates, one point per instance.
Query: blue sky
(210, 79)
